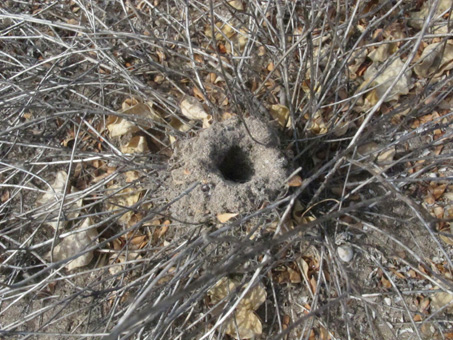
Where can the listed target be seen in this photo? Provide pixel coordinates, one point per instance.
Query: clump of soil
(238, 167)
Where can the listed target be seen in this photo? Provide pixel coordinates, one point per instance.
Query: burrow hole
(236, 166)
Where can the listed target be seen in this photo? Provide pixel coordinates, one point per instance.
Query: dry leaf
(178, 125)
(417, 317)
(122, 200)
(424, 305)
(367, 149)
(254, 299)
(242, 38)
(225, 28)
(192, 108)
(136, 144)
(447, 336)
(385, 75)
(118, 126)
(386, 156)
(356, 60)
(281, 114)
(386, 283)
(222, 289)
(300, 214)
(227, 115)
(294, 276)
(441, 299)
(270, 66)
(303, 266)
(438, 190)
(383, 52)
(74, 244)
(5, 196)
(371, 98)
(247, 322)
(417, 19)
(397, 273)
(170, 274)
(447, 239)
(286, 320)
(340, 129)
(280, 274)
(207, 122)
(236, 4)
(131, 176)
(223, 218)
(324, 334)
(437, 57)
(248, 325)
(131, 255)
(198, 94)
(138, 241)
(57, 188)
(295, 181)
(317, 125)
(438, 212)
(54, 195)
(161, 231)
(412, 273)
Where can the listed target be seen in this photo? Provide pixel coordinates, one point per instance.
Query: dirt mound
(237, 165)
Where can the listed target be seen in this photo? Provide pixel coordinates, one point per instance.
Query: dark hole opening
(236, 166)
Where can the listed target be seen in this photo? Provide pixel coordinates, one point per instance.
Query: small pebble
(345, 253)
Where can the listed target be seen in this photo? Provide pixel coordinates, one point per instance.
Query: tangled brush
(226, 169)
